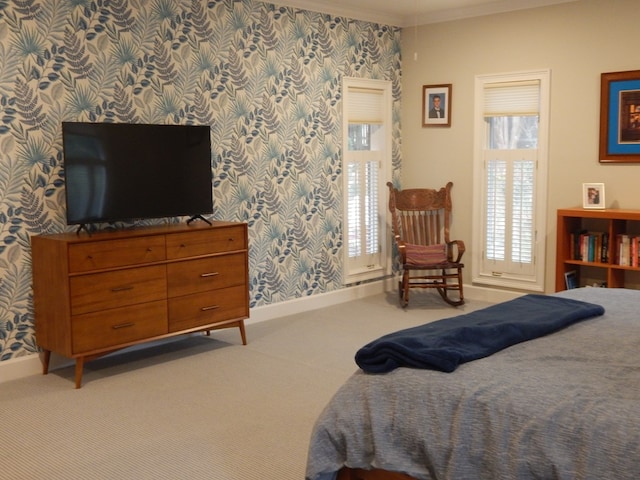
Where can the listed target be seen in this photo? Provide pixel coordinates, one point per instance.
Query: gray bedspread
(564, 406)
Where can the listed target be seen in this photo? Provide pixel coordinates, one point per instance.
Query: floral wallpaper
(266, 78)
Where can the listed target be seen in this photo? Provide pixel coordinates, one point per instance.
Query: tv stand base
(198, 217)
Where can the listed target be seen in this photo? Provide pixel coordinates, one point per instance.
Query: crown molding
(492, 8)
(389, 16)
(344, 10)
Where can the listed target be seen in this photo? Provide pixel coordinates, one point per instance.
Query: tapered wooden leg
(233, 323)
(46, 357)
(243, 334)
(405, 288)
(79, 369)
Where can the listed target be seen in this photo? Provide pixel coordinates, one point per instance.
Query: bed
(562, 406)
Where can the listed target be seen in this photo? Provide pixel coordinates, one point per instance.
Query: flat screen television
(119, 172)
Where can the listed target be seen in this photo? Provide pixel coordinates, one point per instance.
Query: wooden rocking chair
(420, 220)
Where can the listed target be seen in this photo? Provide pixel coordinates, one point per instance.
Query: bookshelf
(589, 243)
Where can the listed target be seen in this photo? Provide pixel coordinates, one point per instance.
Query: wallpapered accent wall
(266, 78)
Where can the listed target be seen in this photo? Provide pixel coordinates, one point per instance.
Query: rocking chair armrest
(402, 249)
(459, 247)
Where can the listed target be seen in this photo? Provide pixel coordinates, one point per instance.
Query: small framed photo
(436, 105)
(571, 280)
(593, 195)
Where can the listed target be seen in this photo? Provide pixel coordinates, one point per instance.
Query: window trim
(384, 268)
(535, 282)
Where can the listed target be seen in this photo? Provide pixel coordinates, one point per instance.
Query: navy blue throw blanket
(445, 344)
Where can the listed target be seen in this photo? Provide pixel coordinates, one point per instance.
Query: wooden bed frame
(347, 473)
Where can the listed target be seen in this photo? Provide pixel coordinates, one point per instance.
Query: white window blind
(365, 106)
(513, 98)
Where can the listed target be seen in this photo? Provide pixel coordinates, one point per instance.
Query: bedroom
(577, 41)
(452, 52)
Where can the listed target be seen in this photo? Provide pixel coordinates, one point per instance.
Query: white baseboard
(31, 365)
(490, 295)
(20, 367)
(305, 304)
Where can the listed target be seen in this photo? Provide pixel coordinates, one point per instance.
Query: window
(367, 165)
(510, 180)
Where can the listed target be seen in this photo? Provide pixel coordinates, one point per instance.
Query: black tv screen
(124, 172)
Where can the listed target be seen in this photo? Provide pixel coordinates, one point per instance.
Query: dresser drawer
(84, 257)
(101, 291)
(192, 311)
(194, 276)
(205, 242)
(99, 330)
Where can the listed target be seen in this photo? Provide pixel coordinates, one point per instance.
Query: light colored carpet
(201, 407)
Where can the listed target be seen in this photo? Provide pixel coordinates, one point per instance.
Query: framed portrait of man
(436, 105)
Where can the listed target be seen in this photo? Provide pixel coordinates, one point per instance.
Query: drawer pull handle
(212, 307)
(123, 325)
(122, 289)
(210, 274)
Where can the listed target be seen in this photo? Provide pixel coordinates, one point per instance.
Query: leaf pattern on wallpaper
(77, 59)
(103, 78)
(266, 30)
(27, 8)
(52, 18)
(267, 79)
(270, 283)
(9, 64)
(15, 292)
(200, 22)
(322, 39)
(27, 107)
(122, 15)
(34, 212)
(235, 71)
(201, 111)
(12, 175)
(163, 65)
(269, 115)
(123, 107)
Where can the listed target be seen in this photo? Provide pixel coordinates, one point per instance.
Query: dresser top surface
(124, 233)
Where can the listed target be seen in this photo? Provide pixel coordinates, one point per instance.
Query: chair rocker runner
(421, 219)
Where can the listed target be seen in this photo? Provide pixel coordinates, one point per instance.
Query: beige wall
(577, 41)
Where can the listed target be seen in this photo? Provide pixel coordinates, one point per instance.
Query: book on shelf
(627, 250)
(589, 246)
(604, 254)
(624, 250)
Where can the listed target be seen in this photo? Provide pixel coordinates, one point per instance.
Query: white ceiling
(405, 13)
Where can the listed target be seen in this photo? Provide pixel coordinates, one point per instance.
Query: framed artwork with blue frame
(620, 117)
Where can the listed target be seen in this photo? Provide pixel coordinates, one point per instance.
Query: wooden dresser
(97, 293)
